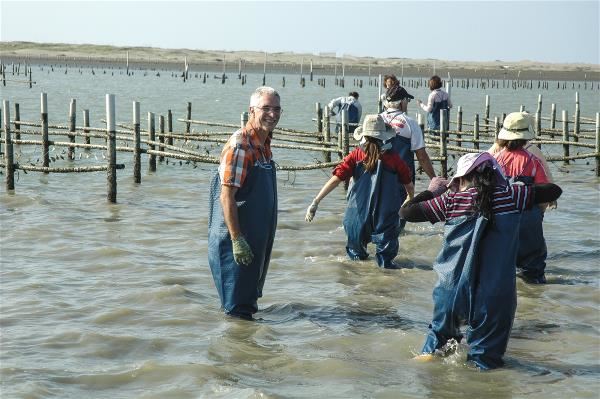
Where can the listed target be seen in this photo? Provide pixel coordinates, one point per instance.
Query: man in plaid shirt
(243, 211)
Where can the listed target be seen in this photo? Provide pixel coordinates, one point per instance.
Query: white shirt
(405, 126)
(436, 96)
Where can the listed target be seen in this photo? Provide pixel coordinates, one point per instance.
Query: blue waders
(433, 117)
(532, 246)
(476, 270)
(402, 146)
(372, 214)
(239, 286)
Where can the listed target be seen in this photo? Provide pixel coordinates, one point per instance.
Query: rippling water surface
(112, 301)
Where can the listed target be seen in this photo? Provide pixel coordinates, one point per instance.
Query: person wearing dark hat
(476, 264)
(375, 198)
(521, 165)
(409, 139)
(438, 100)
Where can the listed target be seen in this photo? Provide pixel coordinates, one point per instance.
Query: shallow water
(106, 300)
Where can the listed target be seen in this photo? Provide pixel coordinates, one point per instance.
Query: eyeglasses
(275, 110)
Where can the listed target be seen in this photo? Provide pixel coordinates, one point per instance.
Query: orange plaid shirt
(240, 153)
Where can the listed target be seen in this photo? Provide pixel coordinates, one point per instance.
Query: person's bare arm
(425, 162)
(230, 211)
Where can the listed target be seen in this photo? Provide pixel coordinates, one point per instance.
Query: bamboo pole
(137, 155)
(565, 136)
(152, 136)
(111, 144)
(45, 144)
(8, 148)
(72, 111)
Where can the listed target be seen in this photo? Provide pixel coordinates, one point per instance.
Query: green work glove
(242, 253)
(311, 211)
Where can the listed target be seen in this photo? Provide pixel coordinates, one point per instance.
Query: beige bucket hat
(517, 126)
(374, 126)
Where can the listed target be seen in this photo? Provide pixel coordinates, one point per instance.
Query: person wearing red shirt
(375, 198)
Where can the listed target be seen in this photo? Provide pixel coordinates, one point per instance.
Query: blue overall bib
(371, 215)
(476, 270)
(533, 251)
(433, 117)
(240, 286)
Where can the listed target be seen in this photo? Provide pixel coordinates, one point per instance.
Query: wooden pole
(161, 136)
(553, 116)
(45, 141)
(576, 123)
(189, 116)
(379, 102)
(86, 123)
(486, 117)
(152, 137)
(17, 124)
(170, 126)
(496, 127)
(72, 112)
(327, 123)
(443, 143)
(421, 123)
(459, 124)
(243, 119)
(597, 144)
(8, 148)
(345, 135)
(137, 154)
(565, 136)
(111, 132)
(476, 132)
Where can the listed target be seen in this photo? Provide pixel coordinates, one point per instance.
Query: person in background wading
(518, 161)
(352, 105)
(438, 100)
(243, 209)
(477, 262)
(374, 200)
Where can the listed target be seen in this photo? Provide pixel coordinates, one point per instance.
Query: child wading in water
(382, 181)
(476, 265)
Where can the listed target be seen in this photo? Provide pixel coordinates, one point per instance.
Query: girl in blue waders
(476, 265)
(375, 198)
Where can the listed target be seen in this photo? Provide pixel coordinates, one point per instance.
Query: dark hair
(511, 145)
(353, 94)
(392, 77)
(485, 183)
(435, 82)
(372, 149)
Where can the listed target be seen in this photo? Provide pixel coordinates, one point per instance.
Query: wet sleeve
(546, 192)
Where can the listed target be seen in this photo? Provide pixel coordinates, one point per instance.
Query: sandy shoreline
(290, 63)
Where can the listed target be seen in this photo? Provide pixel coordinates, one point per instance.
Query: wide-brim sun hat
(374, 126)
(517, 126)
(470, 162)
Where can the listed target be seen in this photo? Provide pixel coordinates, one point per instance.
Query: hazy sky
(548, 31)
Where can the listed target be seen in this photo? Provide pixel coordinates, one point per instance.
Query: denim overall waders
(372, 214)
(240, 286)
(476, 286)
